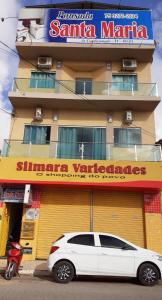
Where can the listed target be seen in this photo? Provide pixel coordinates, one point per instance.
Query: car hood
(147, 252)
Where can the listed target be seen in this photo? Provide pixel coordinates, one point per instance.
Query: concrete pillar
(153, 221)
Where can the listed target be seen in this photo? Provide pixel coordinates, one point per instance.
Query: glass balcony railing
(87, 87)
(90, 151)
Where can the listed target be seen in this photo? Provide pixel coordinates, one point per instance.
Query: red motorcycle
(14, 257)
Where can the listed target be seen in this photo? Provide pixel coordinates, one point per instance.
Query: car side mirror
(127, 247)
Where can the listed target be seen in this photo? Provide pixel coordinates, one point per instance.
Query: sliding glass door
(83, 86)
(82, 143)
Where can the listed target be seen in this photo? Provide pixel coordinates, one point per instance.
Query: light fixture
(55, 117)
(109, 118)
(109, 66)
(58, 64)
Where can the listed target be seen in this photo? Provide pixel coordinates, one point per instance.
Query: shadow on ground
(43, 274)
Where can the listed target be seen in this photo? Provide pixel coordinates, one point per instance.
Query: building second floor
(82, 135)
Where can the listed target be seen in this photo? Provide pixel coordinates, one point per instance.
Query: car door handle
(104, 253)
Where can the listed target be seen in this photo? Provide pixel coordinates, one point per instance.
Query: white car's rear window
(61, 237)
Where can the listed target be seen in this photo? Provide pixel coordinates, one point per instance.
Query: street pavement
(44, 288)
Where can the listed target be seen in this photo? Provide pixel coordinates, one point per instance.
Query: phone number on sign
(120, 16)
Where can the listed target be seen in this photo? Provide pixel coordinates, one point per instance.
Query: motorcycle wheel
(10, 271)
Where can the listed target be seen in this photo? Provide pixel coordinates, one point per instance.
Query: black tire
(148, 275)
(63, 272)
(10, 271)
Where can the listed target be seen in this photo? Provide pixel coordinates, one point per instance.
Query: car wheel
(148, 275)
(63, 272)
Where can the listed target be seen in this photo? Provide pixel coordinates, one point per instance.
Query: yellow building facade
(81, 154)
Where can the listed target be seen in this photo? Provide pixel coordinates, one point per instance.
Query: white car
(96, 253)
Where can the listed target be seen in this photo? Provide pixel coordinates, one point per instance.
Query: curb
(35, 272)
(33, 268)
(31, 272)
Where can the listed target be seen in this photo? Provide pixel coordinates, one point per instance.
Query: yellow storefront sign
(48, 171)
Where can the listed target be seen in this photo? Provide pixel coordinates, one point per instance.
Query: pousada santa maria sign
(85, 26)
(99, 26)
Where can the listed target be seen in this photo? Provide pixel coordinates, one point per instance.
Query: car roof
(89, 232)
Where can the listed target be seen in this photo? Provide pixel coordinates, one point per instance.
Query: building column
(1, 220)
(29, 228)
(1, 215)
(153, 221)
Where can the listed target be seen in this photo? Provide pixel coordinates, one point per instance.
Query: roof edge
(86, 3)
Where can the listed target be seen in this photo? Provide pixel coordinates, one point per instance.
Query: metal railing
(90, 151)
(85, 87)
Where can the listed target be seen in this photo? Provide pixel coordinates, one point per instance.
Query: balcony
(90, 151)
(58, 94)
(87, 87)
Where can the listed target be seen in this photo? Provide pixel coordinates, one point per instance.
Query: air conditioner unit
(129, 64)
(44, 62)
(38, 114)
(128, 117)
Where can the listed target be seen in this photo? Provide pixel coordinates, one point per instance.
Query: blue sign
(99, 26)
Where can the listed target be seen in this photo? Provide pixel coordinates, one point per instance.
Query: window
(82, 239)
(127, 136)
(111, 242)
(82, 142)
(37, 134)
(83, 86)
(42, 80)
(121, 82)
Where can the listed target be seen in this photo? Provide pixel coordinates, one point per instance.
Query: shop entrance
(15, 217)
(11, 225)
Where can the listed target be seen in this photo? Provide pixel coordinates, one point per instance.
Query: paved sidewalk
(34, 267)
